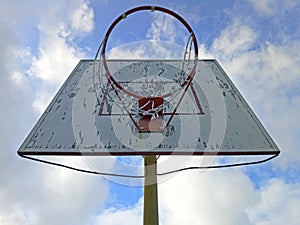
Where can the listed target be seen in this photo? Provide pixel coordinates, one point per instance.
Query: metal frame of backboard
(59, 115)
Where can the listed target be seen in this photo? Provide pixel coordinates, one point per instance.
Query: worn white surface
(71, 124)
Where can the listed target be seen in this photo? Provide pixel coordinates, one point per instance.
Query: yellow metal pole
(150, 191)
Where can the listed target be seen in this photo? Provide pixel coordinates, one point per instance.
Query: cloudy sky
(256, 41)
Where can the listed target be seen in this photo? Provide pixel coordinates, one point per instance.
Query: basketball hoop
(150, 106)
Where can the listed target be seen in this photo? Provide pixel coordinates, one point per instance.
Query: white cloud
(49, 195)
(56, 57)
(193, 198)
(58, 54)
(149, 49)
(126, 52)
(273, 65)
(166, 28)
(284, 62)
(55, 62)
(69, 191)
(284, 126)
(125, 216)
(15, 89)
(162, 28)
(215, 197)
(235, 39)
(272, 7)
(17, 78)
(265, 6)
(18, 218)
(279, 204)
(194, 14)
(82, 18)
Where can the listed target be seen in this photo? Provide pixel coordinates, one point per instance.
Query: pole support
(150, 191)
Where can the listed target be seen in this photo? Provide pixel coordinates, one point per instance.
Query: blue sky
(256, 41)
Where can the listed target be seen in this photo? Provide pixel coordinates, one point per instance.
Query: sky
(256, 42)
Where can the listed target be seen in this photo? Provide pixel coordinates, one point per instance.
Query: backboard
(88, 117)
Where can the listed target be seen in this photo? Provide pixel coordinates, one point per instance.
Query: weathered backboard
(87, 116)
